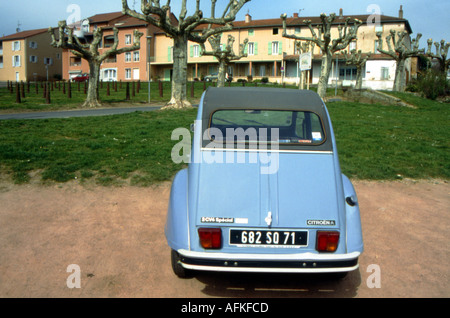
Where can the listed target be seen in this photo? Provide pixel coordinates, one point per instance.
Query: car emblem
(268, 219)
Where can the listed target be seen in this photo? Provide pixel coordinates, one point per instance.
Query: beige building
(275, 57)
(28, 56)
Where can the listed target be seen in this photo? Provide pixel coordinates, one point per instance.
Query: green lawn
(374, 142)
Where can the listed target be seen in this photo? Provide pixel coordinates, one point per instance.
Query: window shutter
(169, 54)
(255, 48)
(191, 50)
(270, 48)
(280, 48)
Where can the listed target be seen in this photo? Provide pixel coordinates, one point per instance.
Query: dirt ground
(116, 237)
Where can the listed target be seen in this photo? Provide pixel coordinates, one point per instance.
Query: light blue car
(263, 191)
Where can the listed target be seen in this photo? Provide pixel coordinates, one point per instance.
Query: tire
(177, 268)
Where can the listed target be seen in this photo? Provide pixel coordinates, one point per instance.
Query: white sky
(431, 17)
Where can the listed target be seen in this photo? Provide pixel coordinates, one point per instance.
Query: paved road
(78, 113)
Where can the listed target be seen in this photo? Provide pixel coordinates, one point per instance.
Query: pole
(149, 67)
(336, 76)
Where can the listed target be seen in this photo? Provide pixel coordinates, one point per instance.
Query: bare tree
(400, 51)
(90, 52)
(186, 29)
(357, 59)
(224, 54)
(328, 46)
(441, 54)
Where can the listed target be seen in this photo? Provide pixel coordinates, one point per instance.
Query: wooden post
(18, 100)
(47, 95)
(69, 89)
(192, 89)
(127, 91)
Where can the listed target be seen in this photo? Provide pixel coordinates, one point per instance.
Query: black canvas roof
(261, 98)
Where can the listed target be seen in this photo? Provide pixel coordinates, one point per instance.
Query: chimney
(248, 18)
(341, 13)
(400, 12)
(295, 15)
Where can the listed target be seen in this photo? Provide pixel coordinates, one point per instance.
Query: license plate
(281, 238)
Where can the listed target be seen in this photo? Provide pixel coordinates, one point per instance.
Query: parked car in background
(214, 76)
(263, 191)
(211, 77)
(81, 78)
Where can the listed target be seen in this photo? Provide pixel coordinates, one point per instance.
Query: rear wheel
(177, 268)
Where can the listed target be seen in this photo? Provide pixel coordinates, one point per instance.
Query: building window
(128, 73)
(251, 48)
(384, 73)
(128, 39)
(128, 57)
(33, 45)
(196, 50)
(16, 61)
(16, 46)
(352, 46)
(136, 56)
(275, 31)
(33, 59)
(297, 30)
(275, 48)
(48, 61)
(376, 47)
(251, 32)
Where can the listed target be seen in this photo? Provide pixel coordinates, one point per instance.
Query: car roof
(261, 98)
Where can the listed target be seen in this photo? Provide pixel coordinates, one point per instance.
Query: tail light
(327, 241)
(210, 238)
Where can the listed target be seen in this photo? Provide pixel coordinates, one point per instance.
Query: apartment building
(275, 57)
(28, 56)
(124, 67)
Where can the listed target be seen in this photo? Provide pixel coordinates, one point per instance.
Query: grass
(374, 142)
(110, 149)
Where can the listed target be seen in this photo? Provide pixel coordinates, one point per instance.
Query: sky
(427, 17)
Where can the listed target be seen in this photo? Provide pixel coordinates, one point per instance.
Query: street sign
(305, 61)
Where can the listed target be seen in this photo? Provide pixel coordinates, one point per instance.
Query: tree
(90, 52)
(357, 59)
(400, 52)
(224, 54)
(328, 46)
(186, 29)
(441, 54)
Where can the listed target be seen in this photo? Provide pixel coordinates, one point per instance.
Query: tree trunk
(221, 74)
(324, 75)
(92, 99)
(179, 77)
(359, 77)
(400, 80)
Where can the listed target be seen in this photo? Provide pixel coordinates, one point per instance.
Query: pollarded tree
(327, 44)
(400, 51)
(441, 54)
(224, 54)
(357, 59)
(184, 30)
(90, 52)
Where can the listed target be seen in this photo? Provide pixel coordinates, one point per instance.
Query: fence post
(18, 100)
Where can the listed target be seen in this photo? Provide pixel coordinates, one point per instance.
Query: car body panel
(225, 188)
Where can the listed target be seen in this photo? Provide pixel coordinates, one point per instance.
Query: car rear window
(281, 126)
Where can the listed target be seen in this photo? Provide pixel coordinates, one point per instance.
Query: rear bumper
(269, 263)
